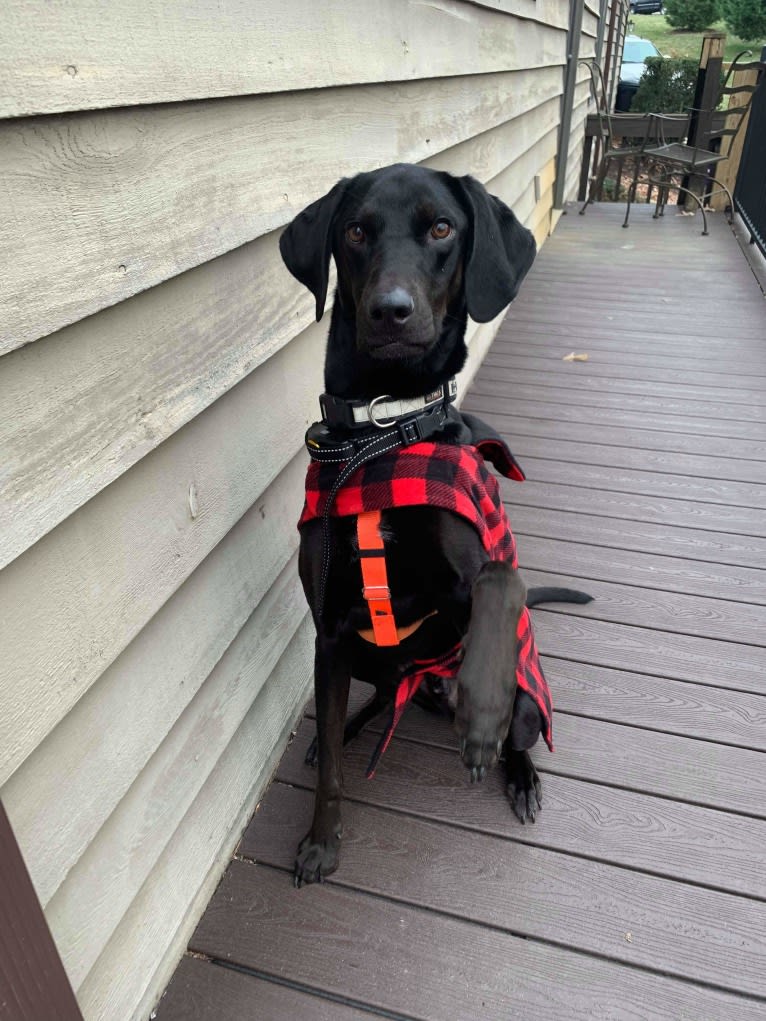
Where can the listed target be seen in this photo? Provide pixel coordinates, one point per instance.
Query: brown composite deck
(640, 891)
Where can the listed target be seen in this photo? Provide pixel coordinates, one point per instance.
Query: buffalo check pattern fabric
(455, 478)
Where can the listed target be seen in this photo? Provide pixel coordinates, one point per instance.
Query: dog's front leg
(486, 681)
(318, 851)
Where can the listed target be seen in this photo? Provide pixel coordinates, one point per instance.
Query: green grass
(673, 43)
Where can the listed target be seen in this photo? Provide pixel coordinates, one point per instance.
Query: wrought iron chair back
(665, 160)
(606, 148)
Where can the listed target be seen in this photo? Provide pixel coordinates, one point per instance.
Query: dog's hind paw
(315, 860)
(523, 786)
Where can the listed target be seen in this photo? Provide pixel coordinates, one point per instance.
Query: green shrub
(666, 86)
(745, 18)
(693, 15)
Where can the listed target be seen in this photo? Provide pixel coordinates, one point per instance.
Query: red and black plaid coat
(455, 478)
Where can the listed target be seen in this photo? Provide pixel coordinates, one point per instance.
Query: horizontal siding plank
(132, 546)
(89, 402)
(577, 521)
(635, 830)
(66, 789)
(491, 153)
(551, 12)
(149, 53)
(130, 973)
(226, 168)
(85, 404)
(530, 891)
(99, 889)
(257, 921)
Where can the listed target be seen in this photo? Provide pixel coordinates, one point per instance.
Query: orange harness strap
(372, 558)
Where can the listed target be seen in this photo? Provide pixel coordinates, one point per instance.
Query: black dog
(417, 251)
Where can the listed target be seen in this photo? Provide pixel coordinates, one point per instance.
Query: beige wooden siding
(159, 368)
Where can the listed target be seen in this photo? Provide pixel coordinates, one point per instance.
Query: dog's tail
(550, 594)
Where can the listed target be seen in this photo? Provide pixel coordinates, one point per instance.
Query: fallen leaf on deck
(574, 357)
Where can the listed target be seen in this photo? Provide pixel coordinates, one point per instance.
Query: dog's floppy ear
(500, 252)
(306, 244)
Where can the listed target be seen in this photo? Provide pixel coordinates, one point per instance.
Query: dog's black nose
(392, 307)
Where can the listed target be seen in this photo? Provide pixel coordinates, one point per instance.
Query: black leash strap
(376, 446)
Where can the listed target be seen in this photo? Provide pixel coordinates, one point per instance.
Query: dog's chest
(413, 561)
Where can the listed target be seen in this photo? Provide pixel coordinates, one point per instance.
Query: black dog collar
(332, 446)
(384, 411)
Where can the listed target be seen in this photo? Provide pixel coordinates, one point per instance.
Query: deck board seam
(517, 934)
(634, 393)
(642, 492)
(317, 991)
(614, 517)
(520, 839)
(564, 611)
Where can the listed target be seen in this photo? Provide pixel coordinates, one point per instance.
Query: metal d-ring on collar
(386, 422)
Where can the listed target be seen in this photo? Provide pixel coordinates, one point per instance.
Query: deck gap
(520, 839)
(302, 987)
(655, 471)
(602, 512)
(670, 733)
(643, 492)
(734, 440)
(558, 944)
(526, 534)
(605, 388)
(632, 584)
(676, 630)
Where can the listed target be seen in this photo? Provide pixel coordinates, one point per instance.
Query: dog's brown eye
(355, 234)
(441, 230)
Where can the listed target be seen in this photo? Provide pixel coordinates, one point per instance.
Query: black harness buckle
(410, 431)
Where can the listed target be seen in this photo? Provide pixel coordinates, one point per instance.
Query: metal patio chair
(607, 150)
(676, 164)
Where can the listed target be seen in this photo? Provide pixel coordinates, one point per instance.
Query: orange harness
(375, 589)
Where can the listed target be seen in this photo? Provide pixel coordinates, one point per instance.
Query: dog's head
(414, 248)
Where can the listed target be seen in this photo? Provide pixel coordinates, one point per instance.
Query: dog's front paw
(523, 786)
(481, 737)
(315, 860)
(479, 751)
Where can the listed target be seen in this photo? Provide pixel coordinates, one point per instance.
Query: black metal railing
(750, 189)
